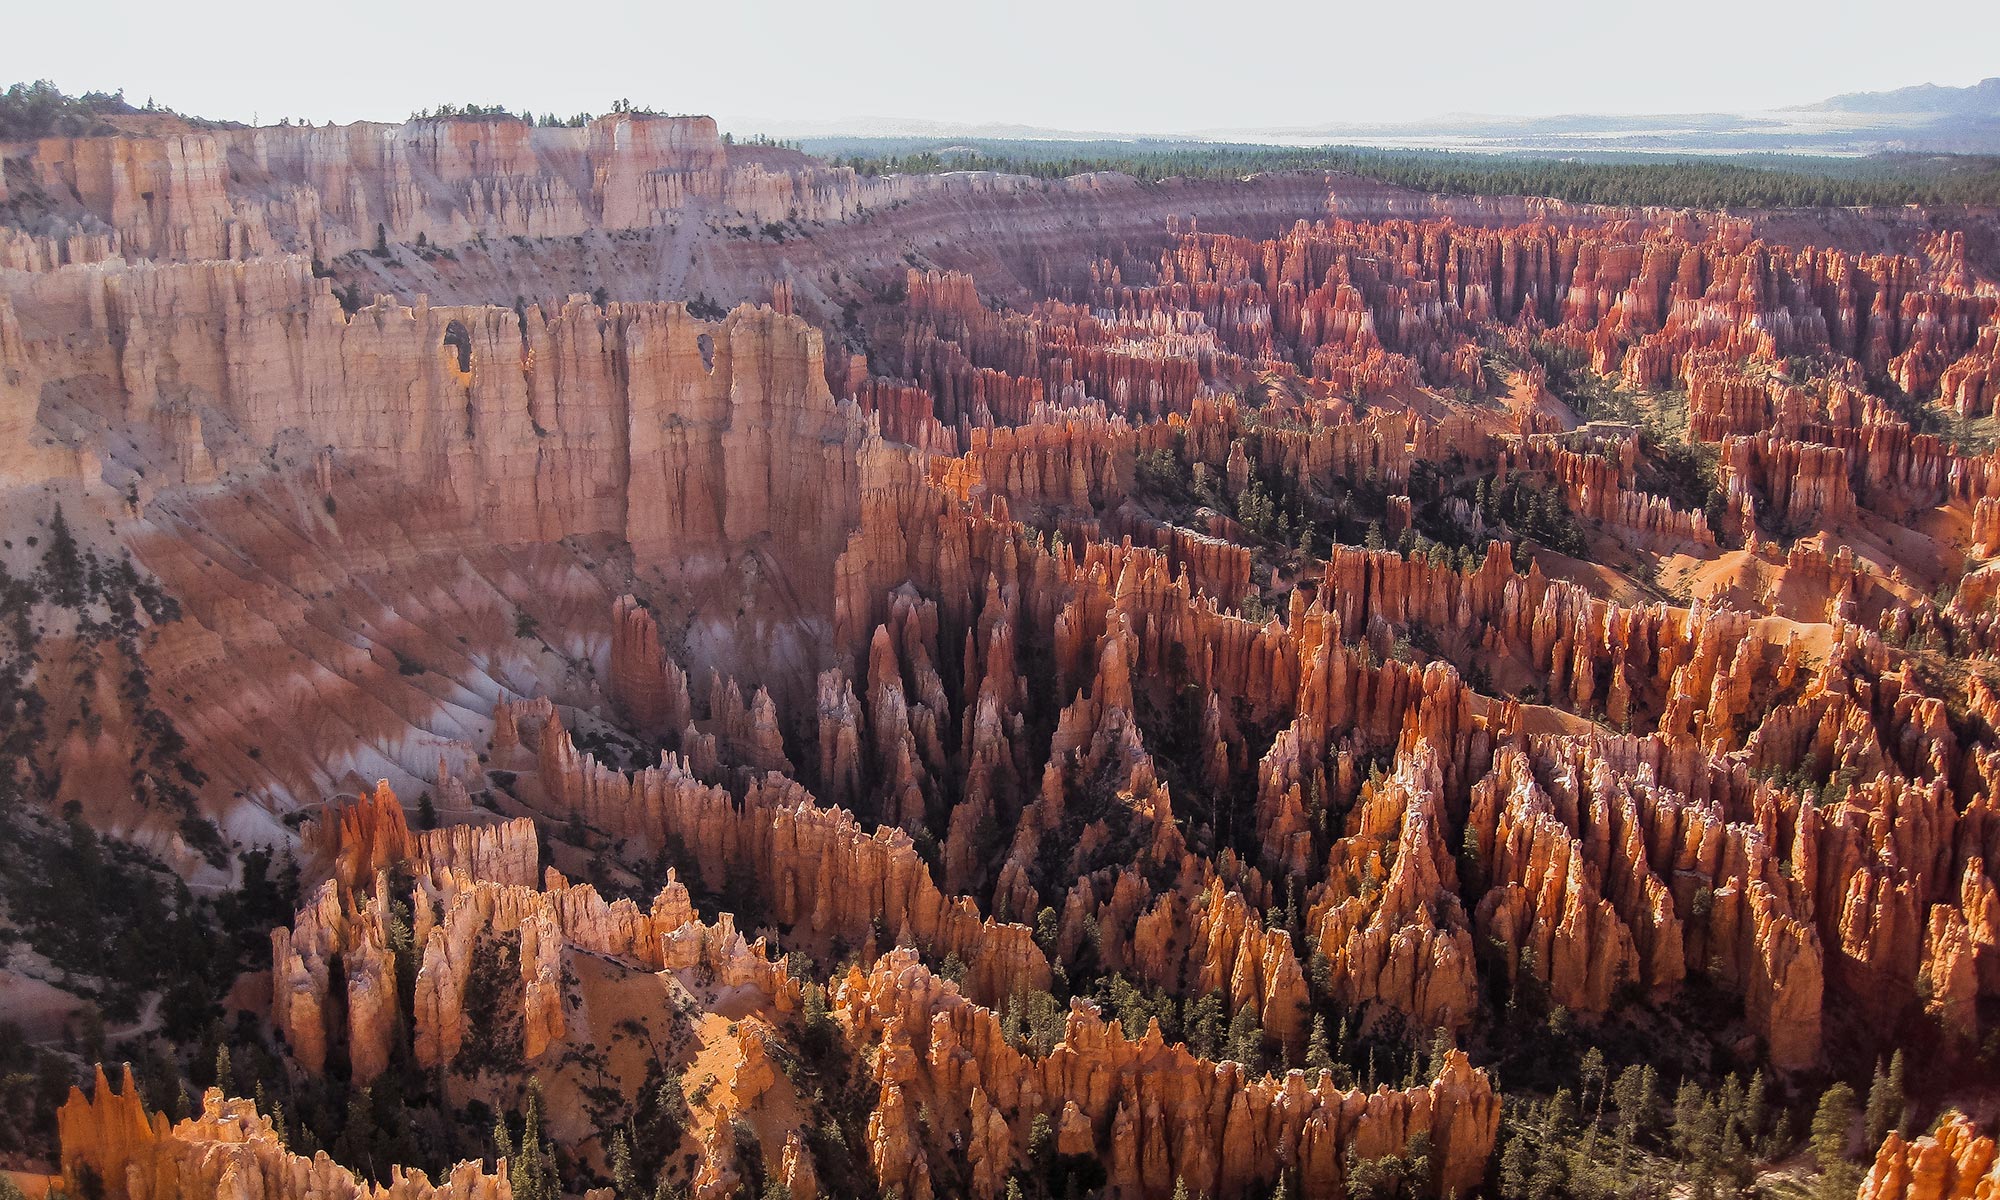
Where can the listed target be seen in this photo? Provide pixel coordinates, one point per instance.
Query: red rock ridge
(1153, 1112)
(228, 1150)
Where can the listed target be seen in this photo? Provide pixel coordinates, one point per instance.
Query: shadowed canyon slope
(967, 685)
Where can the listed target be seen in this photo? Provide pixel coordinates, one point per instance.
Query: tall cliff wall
(323, 191)
(537, 425)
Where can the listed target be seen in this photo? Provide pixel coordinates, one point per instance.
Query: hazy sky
(1160, 66)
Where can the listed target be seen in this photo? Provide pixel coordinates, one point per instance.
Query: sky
(1157, 66)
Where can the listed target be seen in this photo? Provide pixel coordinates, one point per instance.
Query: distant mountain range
(1981, 100)
(1926, 118)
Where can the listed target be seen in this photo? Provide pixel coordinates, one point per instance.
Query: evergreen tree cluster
(41, 109)
(1713, 182)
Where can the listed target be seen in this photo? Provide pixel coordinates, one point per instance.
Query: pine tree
(1701, 1141)
(816, 1025)
(1831, 1125)
(1442, 1044)
(1557, 1119)
(1321, 968)
(1318, 1056)
(532, 1173)
(1687, 1120)
(1756, 1115)
(1246, 1039)
(358, 1135)
(1631, 1098)
(1595, 1074)
(1204, 1026)
(1041, 1141)
(62, 564)
(1047, 929)
(1885, 1100)
(276, 1112)
(1517, 1166)
(624, 1179)
(503, 1145)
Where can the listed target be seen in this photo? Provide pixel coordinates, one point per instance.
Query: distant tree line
(499, 112)
(547, 120)
(41, 109)
(1744, 181)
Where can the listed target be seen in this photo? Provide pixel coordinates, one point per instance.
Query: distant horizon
(892, 127)
(1111, 68)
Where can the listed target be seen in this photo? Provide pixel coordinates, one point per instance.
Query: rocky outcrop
(1799, 483)
(816, 871)
(1376, 305)
(455, 912)
(1722, 404)
(1376, 919)
(796, 1171)
(1598, 475)
(1971, 385)
(351, 842)
(1542, 906)
(1232, 954)
(649, 686)
(1154, 1113)
(1955, 1162)
(228, 1150)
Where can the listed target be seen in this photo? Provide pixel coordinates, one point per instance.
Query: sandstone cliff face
(641, 421)
(715, 450)
(326, 191)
